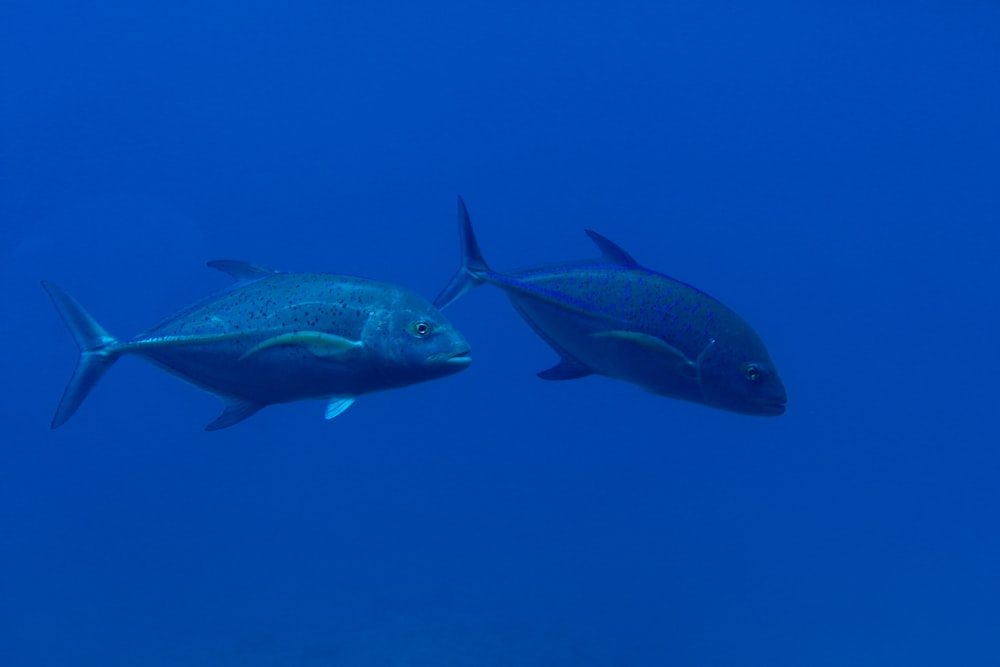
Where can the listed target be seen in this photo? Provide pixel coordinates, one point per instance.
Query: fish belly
(271, 376)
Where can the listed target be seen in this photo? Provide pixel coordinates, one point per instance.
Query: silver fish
(616, 318)
(276, 337)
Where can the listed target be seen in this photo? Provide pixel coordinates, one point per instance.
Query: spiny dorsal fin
(241, 271)
(611, 250)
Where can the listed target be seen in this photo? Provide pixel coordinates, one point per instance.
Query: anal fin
(236, 410)
(567, 369)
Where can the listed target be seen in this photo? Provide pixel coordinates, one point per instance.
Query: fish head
(414, 343)
(738, 375)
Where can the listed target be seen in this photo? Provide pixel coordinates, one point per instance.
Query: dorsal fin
(611, 250)
(241, 270)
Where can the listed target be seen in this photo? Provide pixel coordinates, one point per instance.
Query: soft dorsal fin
(241, 271)
(611, 250)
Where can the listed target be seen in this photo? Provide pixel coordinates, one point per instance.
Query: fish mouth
(772, 409)
(459, 359)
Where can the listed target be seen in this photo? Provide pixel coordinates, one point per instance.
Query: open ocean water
(830, 170)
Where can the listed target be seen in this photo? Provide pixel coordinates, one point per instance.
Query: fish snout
(773, 405)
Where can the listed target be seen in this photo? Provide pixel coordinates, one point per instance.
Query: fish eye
(420, 329)
(753, 372)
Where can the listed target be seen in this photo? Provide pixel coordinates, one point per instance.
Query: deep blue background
(830, 172)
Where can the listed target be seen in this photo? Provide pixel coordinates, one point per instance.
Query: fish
(616, 318)
(275, 337)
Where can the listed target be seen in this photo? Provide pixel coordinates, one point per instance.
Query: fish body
(276, 337)
(616, 318)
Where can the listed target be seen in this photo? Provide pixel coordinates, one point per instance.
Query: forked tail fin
(473, 264)
(96, 352)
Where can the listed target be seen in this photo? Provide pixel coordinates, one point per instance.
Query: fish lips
(454, 360)
(771, 406)
(771, 409)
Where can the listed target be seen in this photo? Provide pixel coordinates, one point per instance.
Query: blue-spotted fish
(276, 337)
(616, 318)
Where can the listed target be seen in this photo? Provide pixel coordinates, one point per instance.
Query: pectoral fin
(323, 345)
(236, 411)
(662, 350)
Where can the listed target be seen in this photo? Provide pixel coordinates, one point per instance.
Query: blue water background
(828, 169)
